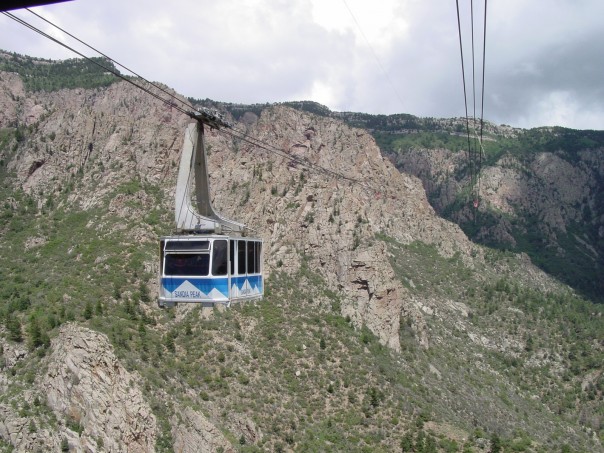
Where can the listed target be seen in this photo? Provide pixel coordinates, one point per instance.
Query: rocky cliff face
(108, 135)
(84, 385)
(116, 134)
(99, 404)
(541, 202)
(332, 221)
(87, 385)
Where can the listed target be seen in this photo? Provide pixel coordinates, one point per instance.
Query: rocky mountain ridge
(541, 200)
(528, 183)
(130, 144)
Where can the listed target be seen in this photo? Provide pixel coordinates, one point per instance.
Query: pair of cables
(475, 152)
(171, 100)
(98, 63)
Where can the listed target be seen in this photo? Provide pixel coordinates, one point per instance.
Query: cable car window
(197, 264)
(219, 258)
(179, 246)
(258, 255)
(241, 257)
(232, 257)
(251, 262)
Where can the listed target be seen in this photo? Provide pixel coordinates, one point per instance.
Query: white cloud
(545, 63)
(561, 108)
(378, 26)
(323, 93)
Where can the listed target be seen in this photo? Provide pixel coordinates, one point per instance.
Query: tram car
(210, 260)
(210, 269)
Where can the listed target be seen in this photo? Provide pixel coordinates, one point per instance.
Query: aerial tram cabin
(210, 269)
(210, 260)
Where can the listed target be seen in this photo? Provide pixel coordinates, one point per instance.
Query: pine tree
(88, 310)
(35, 333)
(495, 444)
(98, 308)
(407, 442)
(13, 325)
(144, 292)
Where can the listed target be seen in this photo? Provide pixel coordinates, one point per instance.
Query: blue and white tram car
(209, 269)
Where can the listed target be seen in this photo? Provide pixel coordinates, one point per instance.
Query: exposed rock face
(549, 187)
(11, 90)
(110, 135)
(116, 134)
(435, 168)
(15, 430)
(14, 427)
(544, 185)
(11, 353)
(192, 433)
(547, 204)
(333, 220)
(99, 405)
(86, 384)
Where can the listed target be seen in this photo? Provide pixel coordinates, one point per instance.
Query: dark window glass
(258, 256)
(251, 262)
(219, 258)
(180, 246)
(161, 253)
(232, 257)
(189, 264)
(241, 257)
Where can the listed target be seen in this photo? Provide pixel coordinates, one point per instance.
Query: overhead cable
(240, 135)
(106, 68)
(474, 156)
(200, 115)
(377, 59)
(109, 58)
(484, 50)
(463, 77)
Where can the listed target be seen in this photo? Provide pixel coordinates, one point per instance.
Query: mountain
(383, 328)
(540, 189)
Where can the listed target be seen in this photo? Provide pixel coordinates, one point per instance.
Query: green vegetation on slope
(303, 373)
(543, 345)
(48, 75)
(350, 394)
(526, 142)
(521, 371)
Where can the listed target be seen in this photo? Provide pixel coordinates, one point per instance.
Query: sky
(544, 60)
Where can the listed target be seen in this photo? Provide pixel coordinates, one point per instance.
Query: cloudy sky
(544, 59)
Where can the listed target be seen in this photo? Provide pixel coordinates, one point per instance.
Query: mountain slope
(383, 327)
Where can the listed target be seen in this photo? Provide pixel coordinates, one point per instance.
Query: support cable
(475, 156)
(110, 59)
(106, 68)
(379, 62)
(473, 150)
(484, 47)
(240, 135)
(186, 194)
(463, 76)
(202, 115)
